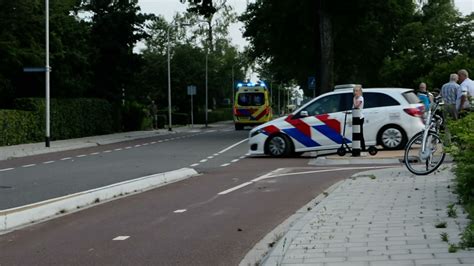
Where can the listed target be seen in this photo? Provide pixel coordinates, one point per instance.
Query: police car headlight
(255, 133)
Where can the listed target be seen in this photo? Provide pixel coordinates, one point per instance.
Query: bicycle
(425, 152)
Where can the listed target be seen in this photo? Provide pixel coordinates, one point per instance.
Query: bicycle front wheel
(424, 162)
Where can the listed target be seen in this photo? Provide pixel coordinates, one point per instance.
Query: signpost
(191, 92)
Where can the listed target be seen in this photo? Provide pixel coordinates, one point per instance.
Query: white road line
(195, 164)
(242, 157)
(107, 151)
(146, 144)
(28, 165)
(6, 169)
(128, 148)
(119, 149)
(154, 142)
(138, 145)
(203, 161)
(234, 188)
(121, 238)
(216, 154)
(234, 161)
(273, 174)
(232, 146)
(226, 164)
(210, 157)
(80, 156)
(180, 211)
(160, 141)
(67, 158)
(48, 162)
(94, 153)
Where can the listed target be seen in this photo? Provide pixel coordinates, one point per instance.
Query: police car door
(319, 125)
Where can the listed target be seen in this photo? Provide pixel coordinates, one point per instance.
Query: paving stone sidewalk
(380, 217)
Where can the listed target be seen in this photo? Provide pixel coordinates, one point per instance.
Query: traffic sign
(192, 90)
(34, 69)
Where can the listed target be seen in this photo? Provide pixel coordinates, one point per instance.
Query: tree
(117, 25)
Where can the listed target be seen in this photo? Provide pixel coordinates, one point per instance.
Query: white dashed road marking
(6, 169)
(28, 165)
(94, 153)
(48, 162)
(195, 164)
(203, 161)
(67, 158)
(80, 156)
(121, 238)
(226, 164)
(180, 211)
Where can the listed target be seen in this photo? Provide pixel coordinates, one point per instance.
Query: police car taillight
(414, 112)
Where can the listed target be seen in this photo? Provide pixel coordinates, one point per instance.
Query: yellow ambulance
(251, 105)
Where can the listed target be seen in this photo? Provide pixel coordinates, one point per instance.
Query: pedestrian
(451, 94)
(424, 96)
(467, 88)
(358, 102)
(154, 114)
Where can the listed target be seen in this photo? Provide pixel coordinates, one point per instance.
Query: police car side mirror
(304, 114)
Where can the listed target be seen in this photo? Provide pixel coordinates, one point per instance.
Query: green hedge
(17, 127)
(462, 148)
(221, 114)
(70, 118)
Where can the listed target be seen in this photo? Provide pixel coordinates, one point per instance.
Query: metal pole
(48, 70)
(233, 82)
(206, 110)
(169, 82)
(192, 112)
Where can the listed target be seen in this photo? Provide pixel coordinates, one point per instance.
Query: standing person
(358, 102)
(154, 114)
(467, 88)
(424, 96)
(451, 94)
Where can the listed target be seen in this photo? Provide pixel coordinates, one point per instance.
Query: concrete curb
(284, 233)
(25, 215)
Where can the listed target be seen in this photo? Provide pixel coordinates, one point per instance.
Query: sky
(168, 8)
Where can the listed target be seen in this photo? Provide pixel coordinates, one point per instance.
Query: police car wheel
(392, 137)
(278, 146)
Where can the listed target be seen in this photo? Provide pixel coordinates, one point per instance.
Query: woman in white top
(359, 104)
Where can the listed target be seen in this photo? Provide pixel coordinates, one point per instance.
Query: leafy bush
(18, 127)
(70, 118)
(462, 148)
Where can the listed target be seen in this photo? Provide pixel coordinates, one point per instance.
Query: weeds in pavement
(452, 248)
(444, 236)
(452, 211)
(441, 225)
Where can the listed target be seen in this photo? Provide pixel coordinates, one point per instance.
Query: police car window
(376, 99)
(328, 104)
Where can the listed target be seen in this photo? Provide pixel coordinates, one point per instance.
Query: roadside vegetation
(462, 148)
(112, 51)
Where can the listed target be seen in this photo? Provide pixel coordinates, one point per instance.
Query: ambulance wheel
(341, 151)
(278, 146)
(372, 150)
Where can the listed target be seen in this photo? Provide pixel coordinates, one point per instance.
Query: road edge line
(18, 217)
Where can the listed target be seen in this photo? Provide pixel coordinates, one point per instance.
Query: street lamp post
(207, 108)
(169, 74)
(47, 71)
(169, 80)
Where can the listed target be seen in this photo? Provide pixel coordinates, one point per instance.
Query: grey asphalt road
(36, 178)
(211, 219)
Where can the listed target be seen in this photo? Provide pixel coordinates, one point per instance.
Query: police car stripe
(299, 125)
(331, 134)
(300, 137)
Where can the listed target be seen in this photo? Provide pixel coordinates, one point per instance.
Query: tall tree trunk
(327, 48)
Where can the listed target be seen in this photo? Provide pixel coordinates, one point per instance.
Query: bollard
(356, 135)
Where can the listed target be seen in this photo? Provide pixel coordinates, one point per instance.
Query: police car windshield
(250, 99)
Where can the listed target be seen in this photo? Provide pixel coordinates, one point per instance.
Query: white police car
(392, 116)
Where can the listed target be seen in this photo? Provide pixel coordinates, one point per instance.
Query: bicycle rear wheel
(423, 164)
